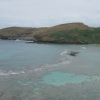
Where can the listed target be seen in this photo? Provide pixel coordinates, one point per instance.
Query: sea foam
(11, 72)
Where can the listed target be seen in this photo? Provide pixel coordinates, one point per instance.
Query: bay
(31, 71)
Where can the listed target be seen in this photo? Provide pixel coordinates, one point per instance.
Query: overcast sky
(47, 13)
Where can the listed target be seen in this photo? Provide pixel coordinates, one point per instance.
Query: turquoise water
(58, 78)
(19, 54)
(31, 71)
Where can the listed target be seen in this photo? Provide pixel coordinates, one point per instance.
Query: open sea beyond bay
(31, 71)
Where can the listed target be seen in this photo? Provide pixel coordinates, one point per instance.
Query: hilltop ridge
(64, 33)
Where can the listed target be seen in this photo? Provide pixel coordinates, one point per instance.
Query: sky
(48, 13)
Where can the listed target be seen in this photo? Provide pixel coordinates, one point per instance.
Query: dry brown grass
(16, 32)
(47, 31)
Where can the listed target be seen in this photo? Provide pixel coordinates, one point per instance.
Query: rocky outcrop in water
(72, 53)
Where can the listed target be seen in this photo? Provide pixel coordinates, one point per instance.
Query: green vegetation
(86, 36)
(75, 33)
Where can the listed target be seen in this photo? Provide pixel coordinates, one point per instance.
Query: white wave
(66, 62)
(83, 47)
(3, 74)
(38, 69)
(52, 65)
(64, 52)
(14, 73)
(10, 72)
(22, 72)
(17, 40)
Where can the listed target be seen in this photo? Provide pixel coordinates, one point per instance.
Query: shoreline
(46, 42)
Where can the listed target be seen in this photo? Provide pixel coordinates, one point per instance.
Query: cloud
(42, 13)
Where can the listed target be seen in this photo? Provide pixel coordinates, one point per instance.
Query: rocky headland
(72, 33)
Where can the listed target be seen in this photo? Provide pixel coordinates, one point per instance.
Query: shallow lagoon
(58, 78)
(63, 78)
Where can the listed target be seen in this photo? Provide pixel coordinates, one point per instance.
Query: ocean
(37, 71)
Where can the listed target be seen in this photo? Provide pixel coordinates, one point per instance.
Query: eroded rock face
(3, 37)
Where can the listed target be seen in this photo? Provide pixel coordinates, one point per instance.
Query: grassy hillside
(16, 32)
(47, 31)
(64, 33)
(78, 35)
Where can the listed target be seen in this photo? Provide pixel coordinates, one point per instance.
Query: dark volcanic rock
(3, 37)
(73, 53)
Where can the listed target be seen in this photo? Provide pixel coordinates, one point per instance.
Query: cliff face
(64, 33)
